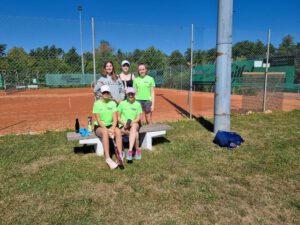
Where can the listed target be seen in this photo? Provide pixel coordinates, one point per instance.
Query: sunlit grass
(185, 180)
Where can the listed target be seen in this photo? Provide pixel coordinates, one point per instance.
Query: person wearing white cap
(129, 117)
(126, 77)
(110, 78)
(105, 126)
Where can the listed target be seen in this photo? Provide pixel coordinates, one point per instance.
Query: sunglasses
(105, 92)
(126, 65)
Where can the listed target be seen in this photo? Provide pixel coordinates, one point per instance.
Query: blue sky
(139, 24)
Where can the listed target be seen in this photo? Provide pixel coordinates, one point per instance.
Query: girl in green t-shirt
(129, 116)
(105, 112)
(144, 85)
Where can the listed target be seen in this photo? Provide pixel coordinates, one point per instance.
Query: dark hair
(114, 76)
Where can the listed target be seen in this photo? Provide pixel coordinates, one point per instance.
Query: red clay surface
(36, 111)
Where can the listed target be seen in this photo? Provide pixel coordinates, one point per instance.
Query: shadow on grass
(85, 149)
(204, 122)
(160, 140)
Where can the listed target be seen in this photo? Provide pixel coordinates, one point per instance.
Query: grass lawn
(185, 180)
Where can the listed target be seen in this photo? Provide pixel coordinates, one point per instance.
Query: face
(130, 96)
(105, 95)
(125, 68)
(109, 68)
(142, 70)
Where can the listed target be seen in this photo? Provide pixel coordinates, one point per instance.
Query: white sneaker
(112, 165)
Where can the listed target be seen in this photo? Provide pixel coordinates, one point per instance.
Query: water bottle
(77, 126)
(90, 124)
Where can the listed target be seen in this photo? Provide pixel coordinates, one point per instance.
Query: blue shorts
(146, 105)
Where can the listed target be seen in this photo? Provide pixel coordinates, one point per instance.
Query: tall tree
(287, 46)
(2, 49)
(105, 51)
(154, 58)
(176, 58)
(73, 59)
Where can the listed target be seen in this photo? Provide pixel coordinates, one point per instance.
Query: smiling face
(142, 70)
(108, 68)
(130, 97)
(105, 95)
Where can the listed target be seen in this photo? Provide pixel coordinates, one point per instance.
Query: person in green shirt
(105, 126)
(129, 116)
(144, 85)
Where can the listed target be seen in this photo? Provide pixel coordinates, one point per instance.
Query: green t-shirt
(105, 111)
(143, 86)
(129, 110)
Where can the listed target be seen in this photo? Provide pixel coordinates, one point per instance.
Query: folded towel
(84, 132)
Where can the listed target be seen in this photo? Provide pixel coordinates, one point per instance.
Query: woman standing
(126, 77)
(110, 78)
(144, 85)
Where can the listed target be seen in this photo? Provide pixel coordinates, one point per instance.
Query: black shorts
(146, 105)
(97, 126)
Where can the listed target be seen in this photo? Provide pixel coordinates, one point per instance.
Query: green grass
(187, 180)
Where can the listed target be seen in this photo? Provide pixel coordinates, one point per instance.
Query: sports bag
(228, 139)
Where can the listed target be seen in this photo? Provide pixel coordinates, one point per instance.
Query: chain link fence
(50, 57)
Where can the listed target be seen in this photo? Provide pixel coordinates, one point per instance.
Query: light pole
(79, 8)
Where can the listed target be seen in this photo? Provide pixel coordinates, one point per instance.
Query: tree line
(55, 60)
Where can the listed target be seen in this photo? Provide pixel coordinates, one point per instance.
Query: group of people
(121, 100)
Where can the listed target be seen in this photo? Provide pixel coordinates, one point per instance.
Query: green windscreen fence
(1, 82)
(206, 74)
(157, 76)
(69, 80)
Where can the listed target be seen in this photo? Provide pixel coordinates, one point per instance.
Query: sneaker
(112, 165)
(138, 154)
(129, 155)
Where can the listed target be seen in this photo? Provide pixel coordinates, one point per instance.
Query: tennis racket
(119, 159)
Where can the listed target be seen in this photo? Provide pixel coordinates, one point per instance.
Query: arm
(120, 120)
(153, 99)
(97, 86)
(138, 118)
(121, 90)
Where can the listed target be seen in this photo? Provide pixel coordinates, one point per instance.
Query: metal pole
(223, 66)
(181, 77)
(79, 8)
(94, 54)
(191, 75)
(266, 73)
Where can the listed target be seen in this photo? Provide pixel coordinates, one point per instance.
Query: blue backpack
(228, 139)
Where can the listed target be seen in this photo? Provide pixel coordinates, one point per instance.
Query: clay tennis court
(36, 111)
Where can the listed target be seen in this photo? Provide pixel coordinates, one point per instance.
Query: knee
(118, 132)
(105, 134)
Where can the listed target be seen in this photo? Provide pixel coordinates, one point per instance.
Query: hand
(111, 132)
(152, 108)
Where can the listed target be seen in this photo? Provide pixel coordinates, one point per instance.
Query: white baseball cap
(130, 90)
(105, 88)
(125, 62)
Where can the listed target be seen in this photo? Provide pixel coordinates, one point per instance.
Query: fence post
(94, 55)
(266, 73)
(191, 76)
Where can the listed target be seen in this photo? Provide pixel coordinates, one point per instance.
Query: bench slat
(71, 136)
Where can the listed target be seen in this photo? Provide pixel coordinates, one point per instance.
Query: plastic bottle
(90, 124)
(77, 126)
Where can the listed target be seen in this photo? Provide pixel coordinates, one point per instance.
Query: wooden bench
(146, 133)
